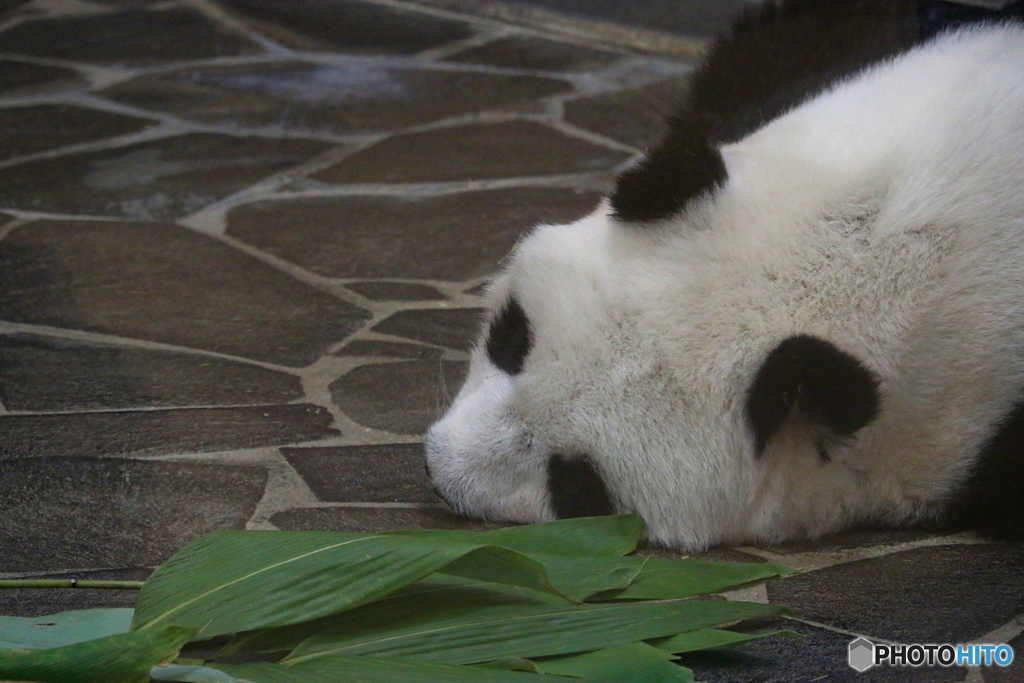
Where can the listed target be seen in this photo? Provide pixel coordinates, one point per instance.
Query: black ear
(684, 166)
(810, 377)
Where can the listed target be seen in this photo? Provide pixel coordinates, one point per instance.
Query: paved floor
(240, 250)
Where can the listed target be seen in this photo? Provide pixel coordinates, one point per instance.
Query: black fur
(809, 376)
(773, 59)
(576, 488)
(935, 16)
(992, 499)
(682, 167)
(509, 339)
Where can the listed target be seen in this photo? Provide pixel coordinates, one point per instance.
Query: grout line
(27, 216)
(172, 124)
(9, 227)
(245, 457)
(285, 490)
(73, 570)
(1004, 633)
(590, 180)
(70, 8)
(814, 560)
(95, 75)
(439, 12)
(212, 218)
(974, 675)
(596, 32)
(575, 131)
(758, 593)
(8, 327)
(380, 506)
(154, 409)
(316, 386)
(153, 133)
(836, 629)
(236, 25)
(485, 36)
(321, 283)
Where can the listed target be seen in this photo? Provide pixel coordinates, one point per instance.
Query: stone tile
(160, 432)
(404, 397)
(155, 180)
(942, 594)
(374, 520)
(44, 374)
(383, 473)
(370, 347)
(636, 117)
(34, 602)
(132, 36)
(73, 512)
(396, 291)
(527, 52)
(490, 150)
(25, 130)
(345, 26)
(167, 284)
(356, 97)
(699, 19)
(1010, 674)
(452, 237)
(818, 656)
(456, 328)
(22, 78)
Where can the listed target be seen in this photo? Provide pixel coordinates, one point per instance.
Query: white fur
(884, 215)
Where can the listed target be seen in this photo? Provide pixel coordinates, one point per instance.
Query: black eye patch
(509, 339)
(576, 488)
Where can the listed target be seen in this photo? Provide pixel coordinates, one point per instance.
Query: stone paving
(241, 246)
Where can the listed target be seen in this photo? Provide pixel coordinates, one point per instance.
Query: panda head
(611, 375)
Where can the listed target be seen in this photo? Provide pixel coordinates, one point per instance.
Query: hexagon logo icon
(862, 654)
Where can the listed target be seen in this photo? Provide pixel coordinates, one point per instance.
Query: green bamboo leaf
(233, 581)
(583, 577)
(123, 658)
(191, 674)
(632, 663)
(436, 596)
(63, 628)
(709, 639)
(340, 669)
(514, 664)
(500, 632)
(516, 569)
(592, 536)
(668, 579)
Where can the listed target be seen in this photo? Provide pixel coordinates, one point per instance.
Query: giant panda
(801, 312)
